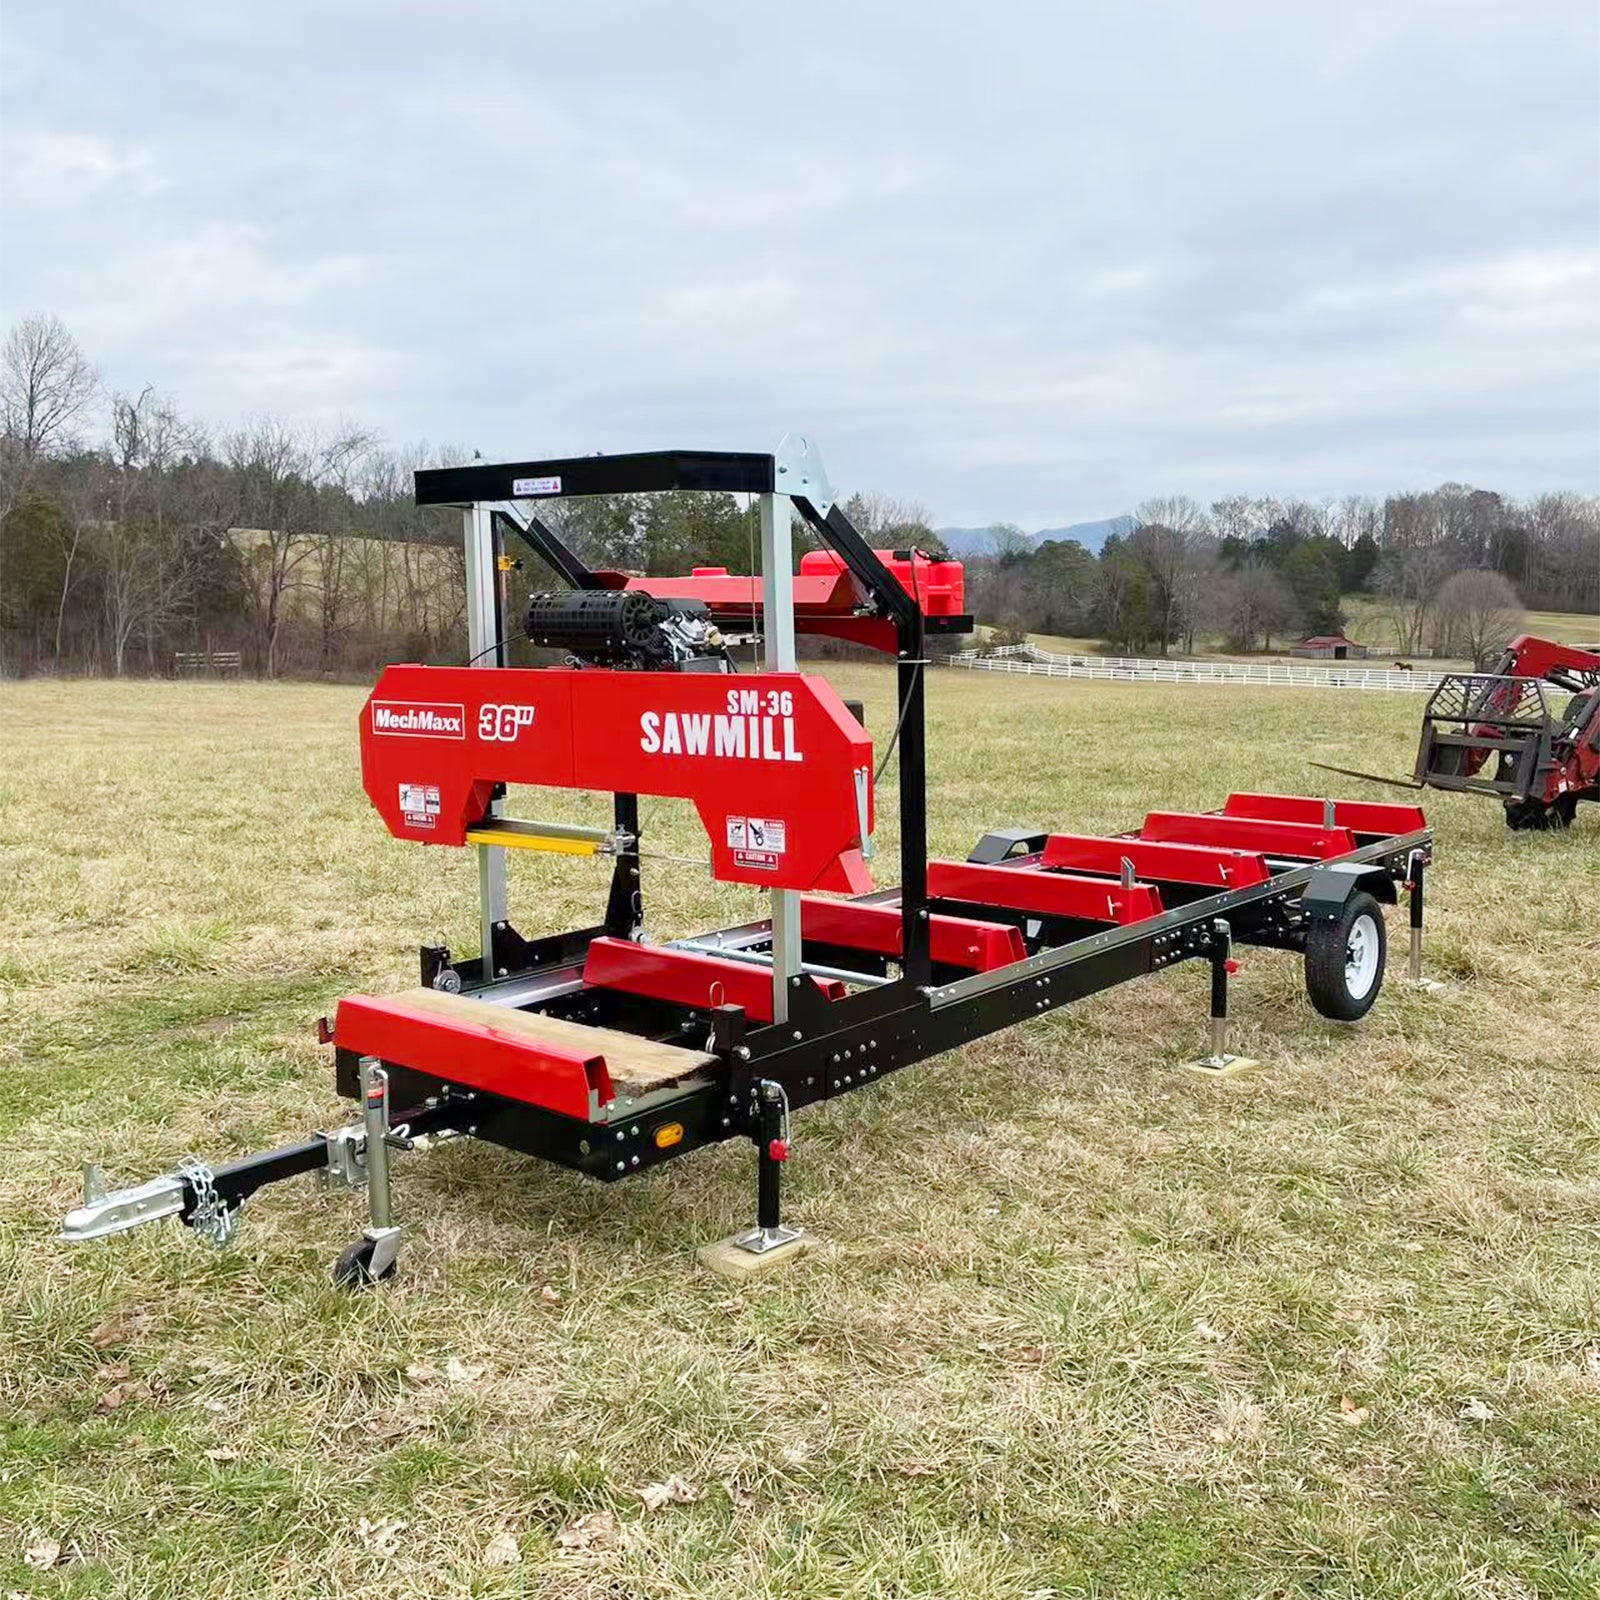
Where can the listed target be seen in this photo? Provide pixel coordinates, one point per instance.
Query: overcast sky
(1026, 261)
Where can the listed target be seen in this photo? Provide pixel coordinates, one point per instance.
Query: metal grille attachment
(1482, 697)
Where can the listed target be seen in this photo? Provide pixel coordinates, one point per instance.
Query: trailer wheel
(353, 1269)
(1345, 960)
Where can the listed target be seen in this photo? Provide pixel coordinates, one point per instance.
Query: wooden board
(636, 1065)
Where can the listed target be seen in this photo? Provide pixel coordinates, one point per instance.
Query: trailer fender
(1003, 843)
(1334, 882)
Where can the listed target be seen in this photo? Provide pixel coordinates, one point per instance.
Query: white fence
(1031, 661)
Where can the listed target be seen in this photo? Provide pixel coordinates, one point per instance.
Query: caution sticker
(767, 833)
(419, 804)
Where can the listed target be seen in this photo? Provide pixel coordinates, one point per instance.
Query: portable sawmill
(610, 1054)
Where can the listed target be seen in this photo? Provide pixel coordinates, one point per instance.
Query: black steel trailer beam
(643, 472)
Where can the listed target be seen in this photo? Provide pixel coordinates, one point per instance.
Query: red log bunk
(610, 1052)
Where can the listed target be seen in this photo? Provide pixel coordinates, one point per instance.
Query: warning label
(419, 802)
(757, 841)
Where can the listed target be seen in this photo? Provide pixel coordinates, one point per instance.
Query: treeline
(1452, 568)
(132, 535)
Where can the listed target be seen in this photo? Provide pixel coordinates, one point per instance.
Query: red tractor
(1495, 733)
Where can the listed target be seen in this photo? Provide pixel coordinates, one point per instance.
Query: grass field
(1079, 1324)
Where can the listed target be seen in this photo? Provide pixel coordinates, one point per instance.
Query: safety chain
(210, 1217)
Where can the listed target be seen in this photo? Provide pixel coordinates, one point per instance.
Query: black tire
(1531, 816)
(1345, 959)
(1563, 811)
(353, 1269)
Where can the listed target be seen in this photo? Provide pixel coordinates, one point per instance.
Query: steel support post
(1416, 869)
(380, 1228)
(777, 623)
(485, 648)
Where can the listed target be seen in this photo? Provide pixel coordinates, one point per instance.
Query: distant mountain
(1091, 535)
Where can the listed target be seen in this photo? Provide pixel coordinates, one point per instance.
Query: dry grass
(1082, 1325)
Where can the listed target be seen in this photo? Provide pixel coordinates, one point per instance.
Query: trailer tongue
(609, 1054)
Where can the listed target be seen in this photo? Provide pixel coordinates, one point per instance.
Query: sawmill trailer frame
(610, 1054)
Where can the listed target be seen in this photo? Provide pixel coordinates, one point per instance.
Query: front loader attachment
(1486, 734)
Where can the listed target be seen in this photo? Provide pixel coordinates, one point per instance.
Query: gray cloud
(1031, 261)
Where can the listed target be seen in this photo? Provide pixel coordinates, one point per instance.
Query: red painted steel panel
(1176, 863)
(1360, 816)
(685, 977)
(1303, 839)
(823, 587)
(956, 941)
(769, 759)
(1046, 894)
(478, 1054)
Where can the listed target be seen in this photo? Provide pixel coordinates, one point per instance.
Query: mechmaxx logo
(419, 719)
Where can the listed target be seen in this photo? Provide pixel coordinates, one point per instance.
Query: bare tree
(1408, 579)
(1007, 542)
(141, 554)
(45, 384)
(1255, 606)
(281, 471)
(1175, 511)
(1480, 614)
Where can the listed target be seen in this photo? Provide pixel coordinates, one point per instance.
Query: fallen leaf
(119, 1328)
(597, 1530)
(730, 1306)
(379, 1536)
(113, 1372)
(421, 1372)
(222, 1455)
(501, 1551)
(550, 1294)
(742, 1498)
(1033, 1352)
(118, 1396)
(1351, 1413)
(1219, 1436)
(42, 1553)
(457, 1371)
(1204, 1330)
(675, 1491)
(915, 1469)
(1474, 1410)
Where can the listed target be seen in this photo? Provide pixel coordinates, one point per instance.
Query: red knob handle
(778, 1150)
(1230, 966)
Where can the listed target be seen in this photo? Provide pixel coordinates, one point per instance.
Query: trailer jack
(207, 1200)
(1222, 1063)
